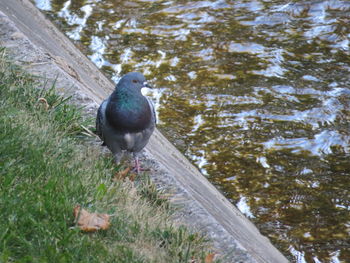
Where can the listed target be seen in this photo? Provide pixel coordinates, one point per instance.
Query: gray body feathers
(117, 139)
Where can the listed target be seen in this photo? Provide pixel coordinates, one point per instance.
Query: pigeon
(126, 119)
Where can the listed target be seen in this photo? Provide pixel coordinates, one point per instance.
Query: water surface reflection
(256, 93)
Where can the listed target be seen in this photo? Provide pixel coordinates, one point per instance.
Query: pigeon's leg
(137, 164)
(118, 156)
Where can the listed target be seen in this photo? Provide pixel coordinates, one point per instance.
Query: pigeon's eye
(134, 80)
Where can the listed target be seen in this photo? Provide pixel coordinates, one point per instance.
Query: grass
(47, 167)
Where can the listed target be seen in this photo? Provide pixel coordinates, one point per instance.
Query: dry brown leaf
(121, 175)
(44, 102)
(90, 222)
(209, 258)
(132, 177)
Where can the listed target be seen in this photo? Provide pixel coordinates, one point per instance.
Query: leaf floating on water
(90, 222)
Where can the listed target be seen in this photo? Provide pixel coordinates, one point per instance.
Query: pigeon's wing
(137, 141)
(153, 111)
(101, 121)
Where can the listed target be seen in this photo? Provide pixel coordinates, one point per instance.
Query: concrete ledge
(36, 44)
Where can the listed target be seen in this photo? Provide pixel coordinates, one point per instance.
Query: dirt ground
(36, 44)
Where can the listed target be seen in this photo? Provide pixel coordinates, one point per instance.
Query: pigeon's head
(134, 81)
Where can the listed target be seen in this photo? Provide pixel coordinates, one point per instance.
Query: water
(256, 93)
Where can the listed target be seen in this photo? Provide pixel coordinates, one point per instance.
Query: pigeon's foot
(138, 167)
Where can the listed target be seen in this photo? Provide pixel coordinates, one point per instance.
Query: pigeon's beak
(145, 88)
(146, 85)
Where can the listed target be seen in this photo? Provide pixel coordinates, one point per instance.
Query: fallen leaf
(90, 222)
(121, 175)
(209, 258)
(132, 177)
(44, 102)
